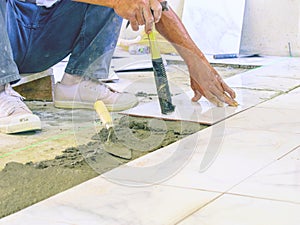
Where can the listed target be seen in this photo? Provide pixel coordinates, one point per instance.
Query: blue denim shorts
(40, 37)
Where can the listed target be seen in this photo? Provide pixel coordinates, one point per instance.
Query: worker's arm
(138, 12)
(205, 80)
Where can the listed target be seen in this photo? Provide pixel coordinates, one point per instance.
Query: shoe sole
(23, 124)
(82, 105)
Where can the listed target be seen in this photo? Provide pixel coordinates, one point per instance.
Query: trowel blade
(118, 150)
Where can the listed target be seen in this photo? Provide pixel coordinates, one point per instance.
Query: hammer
(161, 80)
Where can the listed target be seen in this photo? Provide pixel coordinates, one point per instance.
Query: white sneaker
(15, 116)
(84, 94)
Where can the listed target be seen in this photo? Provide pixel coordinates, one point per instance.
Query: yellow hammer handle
(155, 53)
(103, 114)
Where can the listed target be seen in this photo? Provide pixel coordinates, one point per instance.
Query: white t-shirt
(46, 3)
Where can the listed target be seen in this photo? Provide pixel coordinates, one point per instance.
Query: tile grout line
(284, 155)
(235, 194)
(227, 192)
(262, 198)
(259, 170)
(198, 209)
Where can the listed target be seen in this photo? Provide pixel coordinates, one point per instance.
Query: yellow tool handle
(103, 114)
(155, 53)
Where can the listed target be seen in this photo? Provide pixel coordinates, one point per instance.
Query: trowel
(116, 149)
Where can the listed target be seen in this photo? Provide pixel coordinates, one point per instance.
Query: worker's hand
(205, 81)
(139, 12)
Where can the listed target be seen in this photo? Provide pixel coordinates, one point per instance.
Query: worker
(37, 34)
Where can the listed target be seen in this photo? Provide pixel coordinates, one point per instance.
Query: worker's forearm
(107, 3)
(171, 27)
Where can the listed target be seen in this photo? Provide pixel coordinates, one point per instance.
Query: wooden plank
(38, 86)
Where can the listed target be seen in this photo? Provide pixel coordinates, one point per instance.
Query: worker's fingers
(228, 90)
(195, 87)
(218, 91)
(213, 99)
(149, 20)
(221, 89)
(140, 18)
(134, 24)
(222, 96)
(156, 10)
(197, 96)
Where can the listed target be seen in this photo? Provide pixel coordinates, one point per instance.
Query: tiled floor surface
(244, 170)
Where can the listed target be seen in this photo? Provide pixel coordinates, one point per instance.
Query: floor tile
(268, 119)
(295, 91)
(286, 68)
(254, 81)
(235, 210)
(290, 100)
(101, 202)
(216, 159)
(202, 111)
(280, 181)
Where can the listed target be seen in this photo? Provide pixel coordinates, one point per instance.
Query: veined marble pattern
(238, 210)
(101, 202)
(284, 101)
(280, 181)
(253, 81)
(216, 159)
(268, 119)
(281, 68)
(215, 25)
(202, 111)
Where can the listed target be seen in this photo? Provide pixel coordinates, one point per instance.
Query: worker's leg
(14, 114)
(8, 69)
(42, 37)
(96, 43)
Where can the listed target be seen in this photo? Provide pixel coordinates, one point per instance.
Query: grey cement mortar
(22, 185)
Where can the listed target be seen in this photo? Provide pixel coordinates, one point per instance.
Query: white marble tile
(202, 111)
(215, 25)
(281, 68)
(101, 202)
(290, 100)
(214, 159)
(280, 181)
(254, 81)
(237, 210)
(268, 119)
(295, 91)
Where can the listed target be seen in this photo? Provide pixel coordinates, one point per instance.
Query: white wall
(269, 25)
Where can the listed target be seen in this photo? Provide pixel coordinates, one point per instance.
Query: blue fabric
(8, 69)
(41, 37)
